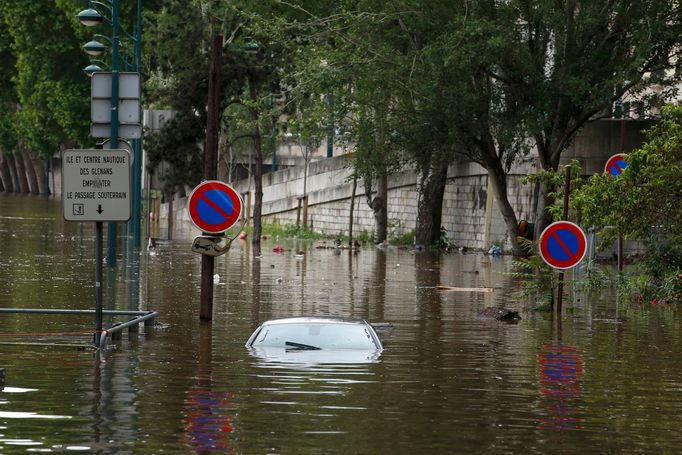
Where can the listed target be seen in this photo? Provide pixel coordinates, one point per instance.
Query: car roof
(316, 319)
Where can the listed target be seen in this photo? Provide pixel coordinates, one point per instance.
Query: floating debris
(458, 289)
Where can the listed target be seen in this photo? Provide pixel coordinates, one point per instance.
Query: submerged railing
(146, 317)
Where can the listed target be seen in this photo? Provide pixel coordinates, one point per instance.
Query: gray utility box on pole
(128, 105)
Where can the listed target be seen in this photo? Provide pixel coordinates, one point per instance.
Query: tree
(365, 53)
(518, 74)
(566, 63)
(249, 81)
(46, 92)
(8, 103)
(489, 80)
(643, 203)
(177, 63)
(372, 160)
(411, 95)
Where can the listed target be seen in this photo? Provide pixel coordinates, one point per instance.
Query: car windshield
(315, 335)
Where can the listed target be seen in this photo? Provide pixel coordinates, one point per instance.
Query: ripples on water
(446, 382)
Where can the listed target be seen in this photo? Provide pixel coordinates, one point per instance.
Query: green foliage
(289, 231)
(8, 96)
(42, 83)
(365, 236)
(538, 280)
(444, 241)
(657, 277)
(641, 288)
(426, 83)
(647, 193)
(178, 64)
(643, 203)
(556, 180)
(595, 277)
(406, 238)
(176, 144)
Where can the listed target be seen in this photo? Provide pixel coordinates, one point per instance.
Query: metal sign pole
(567, 192)
(111, 237)
(98, 281)
(137, 143)
(210, 167)
(620, 236)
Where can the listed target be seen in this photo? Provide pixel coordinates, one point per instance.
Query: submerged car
(316, 339)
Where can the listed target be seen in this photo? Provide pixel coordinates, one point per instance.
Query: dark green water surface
(446, 382)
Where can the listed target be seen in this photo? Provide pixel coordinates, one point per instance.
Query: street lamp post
(135, 226)
(92, 17)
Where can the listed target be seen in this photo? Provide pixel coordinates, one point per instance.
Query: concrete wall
(471, 214)
(465, 205)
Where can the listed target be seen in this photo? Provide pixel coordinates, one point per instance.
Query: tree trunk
(170, 215)
(542, 216)
(180, 192)
(498, 178)
(257, 176)
(17, 173)
(43, 176)
(379, 207)
(431, 187)
(21, 173)
(352, 209)
(31, 177)
(548, 161)
(5, 175)
(381, 216)
(223, 159)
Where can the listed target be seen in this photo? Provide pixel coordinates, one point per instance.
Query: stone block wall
(466, 202)
(464, 209)
(471, 215)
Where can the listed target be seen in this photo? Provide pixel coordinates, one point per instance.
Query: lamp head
(92, 68)
(90, 17)
(251, 47)
(94, 48)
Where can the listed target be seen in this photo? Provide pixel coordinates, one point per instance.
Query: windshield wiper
(301, 346)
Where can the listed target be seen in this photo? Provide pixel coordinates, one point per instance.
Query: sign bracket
(209, 245)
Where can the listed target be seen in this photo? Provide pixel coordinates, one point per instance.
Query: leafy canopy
(646, 196)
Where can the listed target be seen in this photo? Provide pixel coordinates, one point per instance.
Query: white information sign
(96, 185)
(126, 131)
(128, 110)
(128, 85)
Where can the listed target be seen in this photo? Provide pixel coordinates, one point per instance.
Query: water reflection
(207, 412)
(114, 399)
(561, 369)
(446, 382)
(208, 423)
(302, 358)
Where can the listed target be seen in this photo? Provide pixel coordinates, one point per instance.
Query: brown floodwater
(446, 382)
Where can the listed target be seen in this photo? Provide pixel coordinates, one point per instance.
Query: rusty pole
(567, 193)
(210, 167)
(620, 236)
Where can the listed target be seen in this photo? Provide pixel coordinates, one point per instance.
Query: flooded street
(446, 382)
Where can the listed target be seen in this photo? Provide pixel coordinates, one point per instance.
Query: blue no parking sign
(563, 245)
(214, 206)
(615, 165)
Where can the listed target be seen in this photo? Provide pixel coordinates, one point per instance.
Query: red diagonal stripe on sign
(214, 206)
(562, 245)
